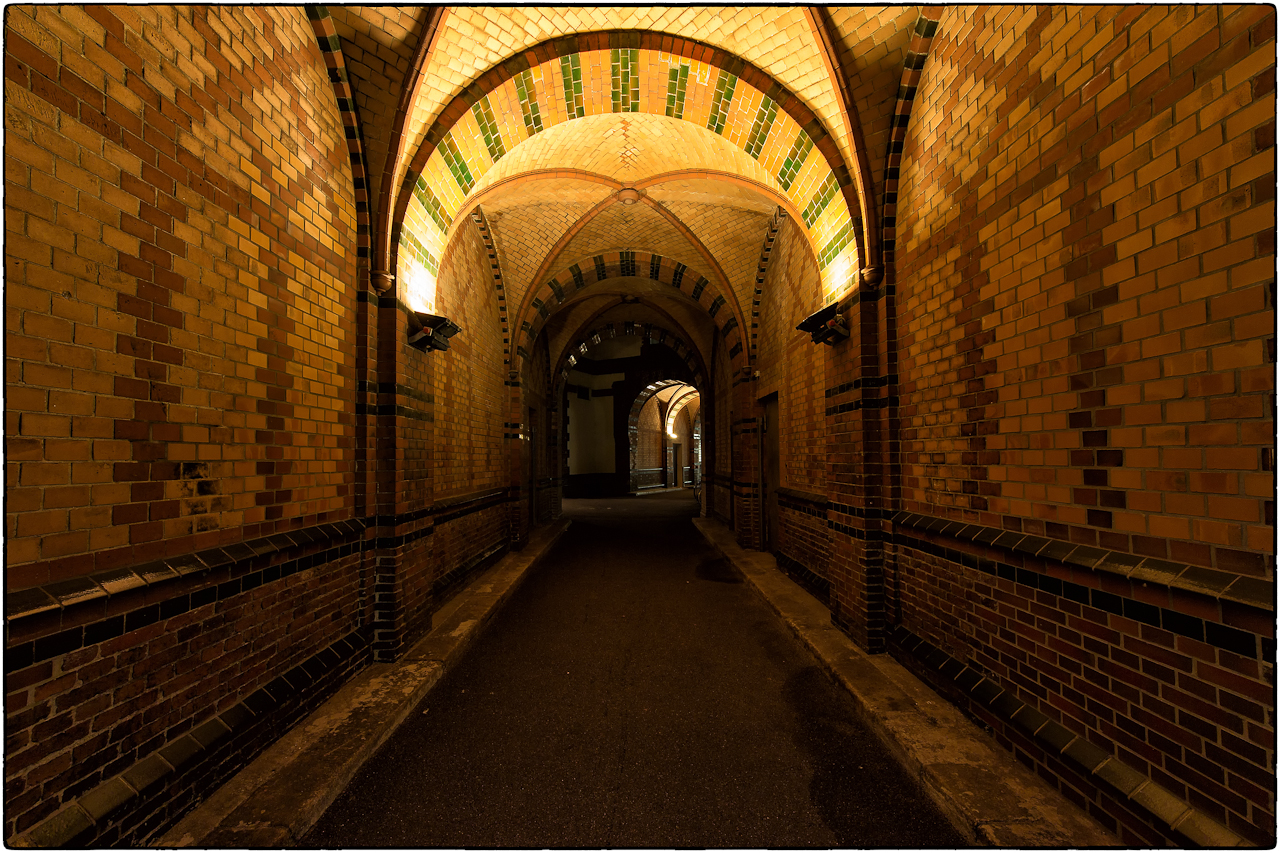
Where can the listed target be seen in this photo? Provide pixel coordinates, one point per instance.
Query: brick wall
(649, 436)
(181, 330)
(794, 367)
(176, 380)
(1086, 313)
(468, 450)
(1084, 286)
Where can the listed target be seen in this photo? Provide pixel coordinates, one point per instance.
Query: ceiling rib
(860, 194)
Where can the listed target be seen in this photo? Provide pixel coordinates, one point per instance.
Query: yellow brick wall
(1086, 248)
(179, 281)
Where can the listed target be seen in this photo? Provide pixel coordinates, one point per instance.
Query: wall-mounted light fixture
(430, 331)
(826, 326)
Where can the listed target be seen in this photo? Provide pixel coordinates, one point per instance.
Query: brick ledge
(1252, 591)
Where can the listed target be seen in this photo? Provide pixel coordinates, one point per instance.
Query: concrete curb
(280, 795)
(986, 794)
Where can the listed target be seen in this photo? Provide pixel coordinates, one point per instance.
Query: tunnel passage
(634, 692)
(1035, 436)
(608, 378)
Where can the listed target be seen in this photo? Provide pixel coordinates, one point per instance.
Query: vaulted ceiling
(648, 152)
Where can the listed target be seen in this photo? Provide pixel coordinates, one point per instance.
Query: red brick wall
(1085, 257)
(180, 268)
(1191, 714)
(79, 718)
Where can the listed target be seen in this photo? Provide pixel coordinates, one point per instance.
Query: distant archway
(665, 449)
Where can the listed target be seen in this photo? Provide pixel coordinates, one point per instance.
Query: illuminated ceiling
(634, 151)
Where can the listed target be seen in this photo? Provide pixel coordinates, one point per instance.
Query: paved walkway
(634, 692)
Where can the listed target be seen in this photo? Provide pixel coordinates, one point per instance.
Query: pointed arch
(382, 262)
(726, 94)
(626, 263)
(648, 332)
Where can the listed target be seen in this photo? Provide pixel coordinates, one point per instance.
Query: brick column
(856, 413)
(402, 526)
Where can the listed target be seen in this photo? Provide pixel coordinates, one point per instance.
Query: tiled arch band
(622, 72)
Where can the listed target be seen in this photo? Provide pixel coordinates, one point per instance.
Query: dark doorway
(533, 467)
(769, 470)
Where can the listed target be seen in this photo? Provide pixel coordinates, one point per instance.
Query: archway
(598, 379)
(664, 431)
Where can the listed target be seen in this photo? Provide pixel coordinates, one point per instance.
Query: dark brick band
(216, 574)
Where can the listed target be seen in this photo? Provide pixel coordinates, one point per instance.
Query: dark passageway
(633, 693)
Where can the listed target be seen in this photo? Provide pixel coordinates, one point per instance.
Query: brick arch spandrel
(610, 225)
(524, 234)
(733, 237)
(475, 133)
(623, 226)
(582, 187)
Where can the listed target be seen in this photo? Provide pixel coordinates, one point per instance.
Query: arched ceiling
(534, 119)
(776, 39)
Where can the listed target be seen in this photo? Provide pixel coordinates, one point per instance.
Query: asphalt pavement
(633, 692)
